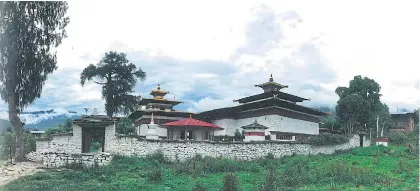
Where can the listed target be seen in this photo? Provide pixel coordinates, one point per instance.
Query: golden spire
(271, 77)
(158, 88)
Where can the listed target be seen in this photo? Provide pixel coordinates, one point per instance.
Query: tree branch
(100, 83)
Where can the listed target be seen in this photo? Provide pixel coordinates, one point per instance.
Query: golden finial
(158, 88)
(271, 77)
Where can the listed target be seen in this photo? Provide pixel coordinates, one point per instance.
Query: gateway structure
(162, 111)
(280, 112)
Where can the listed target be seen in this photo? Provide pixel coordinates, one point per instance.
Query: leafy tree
(117, 76)
(67, 127)
(124, 126)
(28, 32)
(360, 105)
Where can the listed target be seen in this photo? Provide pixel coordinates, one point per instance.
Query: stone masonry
(62, 150)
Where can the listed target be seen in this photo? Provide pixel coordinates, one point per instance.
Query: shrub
(124, 126)
(328, 139)
(198, 187)
(156, 174)
(158, 157)
(397, 137)
(270, 183)
(230, 182)
(296, 173)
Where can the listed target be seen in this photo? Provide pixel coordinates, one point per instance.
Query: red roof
(191, 122)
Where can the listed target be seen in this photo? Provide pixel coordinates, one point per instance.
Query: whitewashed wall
(273, 122)
(62, 143)
(242, 151)
(142, 130)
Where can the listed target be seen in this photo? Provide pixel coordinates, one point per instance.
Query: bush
(397, 137)
(297, 173)
(124, 126)
(158, 158)
(156, 174)
(198, 187)
(270, 183)
(327, 139)
(230, 182)
(8, 141)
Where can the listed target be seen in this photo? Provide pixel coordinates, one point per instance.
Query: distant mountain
(4, 125)
(43, 120)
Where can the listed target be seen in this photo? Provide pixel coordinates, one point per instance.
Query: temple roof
(271, 85)
(146, 101)
(265, 103)
(139, 113)
(190, 122)
(254, 125)
(280, 95)
(94, 121)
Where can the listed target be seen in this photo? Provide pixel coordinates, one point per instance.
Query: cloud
(207, 59)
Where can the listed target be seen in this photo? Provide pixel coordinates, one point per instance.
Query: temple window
(280, 136)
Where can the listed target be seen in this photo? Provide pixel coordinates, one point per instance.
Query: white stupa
(151, 132)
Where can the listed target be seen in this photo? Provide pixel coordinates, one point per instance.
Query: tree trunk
(18, 126)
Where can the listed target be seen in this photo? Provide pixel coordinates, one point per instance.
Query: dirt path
(11, 172)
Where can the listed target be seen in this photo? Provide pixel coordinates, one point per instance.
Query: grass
(369, 168)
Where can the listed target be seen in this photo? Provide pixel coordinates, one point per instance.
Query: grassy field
(369, 168)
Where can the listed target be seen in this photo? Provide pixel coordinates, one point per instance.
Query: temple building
(280, 112)
(163, 112)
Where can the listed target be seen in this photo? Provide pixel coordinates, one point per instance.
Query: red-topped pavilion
(191, 129)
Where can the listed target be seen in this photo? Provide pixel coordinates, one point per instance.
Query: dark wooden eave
(94, 121)
(280, 95)
(280, 86)
(146, 101)
(232, 112)
(136, 114)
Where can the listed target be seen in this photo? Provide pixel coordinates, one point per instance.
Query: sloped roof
(254, 125)
(191, 122)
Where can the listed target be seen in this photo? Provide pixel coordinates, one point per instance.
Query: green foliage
(28, 31)
(396, 137)
(158, 158)
(198, 187)
(360, 104)
(239, 136)
(8, 141)
(118, 78)
(156, 174)
(270, 183)
(328, 139)
(124, 126)
(65, 128)
(230, 182)
(367, 168)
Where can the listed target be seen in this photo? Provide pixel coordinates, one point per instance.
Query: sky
(208, 53)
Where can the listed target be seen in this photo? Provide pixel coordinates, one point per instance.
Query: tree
(117, 76)
(125, 126)
(359, 105)
(28, 32)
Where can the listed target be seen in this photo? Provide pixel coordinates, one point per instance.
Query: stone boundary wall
(129, 146)
(62, 150)
(57, 160)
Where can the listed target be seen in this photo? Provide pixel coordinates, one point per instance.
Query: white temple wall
(142, 130)
(273, 122)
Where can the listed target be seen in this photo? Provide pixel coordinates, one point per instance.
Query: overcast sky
(207, 53)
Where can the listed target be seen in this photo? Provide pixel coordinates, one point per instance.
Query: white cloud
(208, 54)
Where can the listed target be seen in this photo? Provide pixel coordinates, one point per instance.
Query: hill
(43, 120)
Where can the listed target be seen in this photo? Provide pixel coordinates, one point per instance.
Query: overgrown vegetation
(369, 168)
(65, 128)
(328, 139)
(8, 144)
(124, 126)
